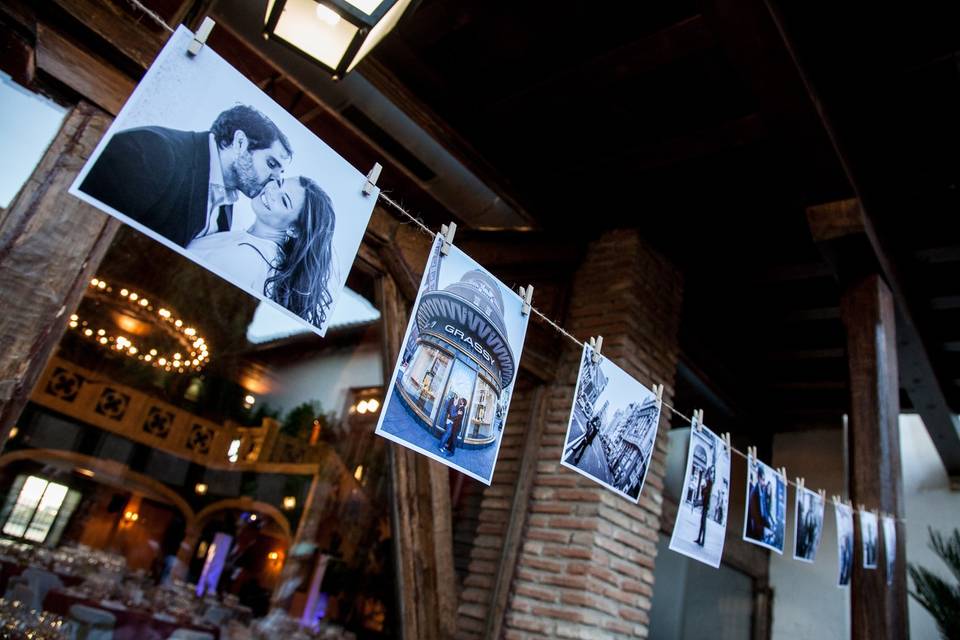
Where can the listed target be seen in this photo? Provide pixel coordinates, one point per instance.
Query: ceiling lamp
(335, 33)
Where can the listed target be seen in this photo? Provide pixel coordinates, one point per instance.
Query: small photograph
(765, 518)
(844, 515)
(869, 541)
(612, 427)
(890, 546)
(808, 516)
(701, 525)
(204, 162)
(454, 378)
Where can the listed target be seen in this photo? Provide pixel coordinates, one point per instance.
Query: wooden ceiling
(710, 124)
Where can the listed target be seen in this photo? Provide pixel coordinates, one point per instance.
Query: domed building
(461, 351)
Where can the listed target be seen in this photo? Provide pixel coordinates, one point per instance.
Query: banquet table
(132, 623)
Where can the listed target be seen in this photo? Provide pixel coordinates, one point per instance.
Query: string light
(187, 337)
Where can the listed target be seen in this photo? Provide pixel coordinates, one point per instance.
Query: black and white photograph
(453, 381)
(808, 516)
(869, 538)
(701, 525)
(889, 545)
(765, 518)
(844, 515)
(201, 160)
(612, 427)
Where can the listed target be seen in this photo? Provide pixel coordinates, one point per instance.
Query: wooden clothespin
(800, 483)
(698, 420)
(658, 391)
(861, 508)
(200, 37)
(527, 294)
(596, 344)
(752, 452)
(823, 494)
(726, 439)
(783, 473)
(448, 231)
(370, 184)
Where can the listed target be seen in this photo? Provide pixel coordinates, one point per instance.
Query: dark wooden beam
(420, 500)
(50, 243)
(92, 77)
(727, 135)
(517, 518)
(841, 231)
(687, 37)
(133, 34)
(879, 611)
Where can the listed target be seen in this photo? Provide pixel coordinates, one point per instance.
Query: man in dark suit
(758, 508)
(182, 184)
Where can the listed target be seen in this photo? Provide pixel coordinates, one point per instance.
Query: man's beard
(246, 176)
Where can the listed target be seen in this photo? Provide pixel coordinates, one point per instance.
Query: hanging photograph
(844, 514)
(869, 539)
(764, 520)
(203, 161)
(808, 515)
(890, 545)
(612, 427)
(453, 381)
(701, 524)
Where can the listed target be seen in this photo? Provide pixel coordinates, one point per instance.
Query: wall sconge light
(13, 432)
(273, 556)
(337, 34)
(248, 401)
(290, 503)
(130, 517)
(200, 489)
(253, 517)
(358, 473)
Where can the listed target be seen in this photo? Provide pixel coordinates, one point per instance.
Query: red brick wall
(586, 566)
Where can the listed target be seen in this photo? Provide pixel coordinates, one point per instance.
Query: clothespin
(527, 294)
(752, 452)
(371, 182)
(800, 483)
(658, 391)
(596, 344)
(447, 231)
(698, 420)
(861, 508)
(823, 495)
(200, 37)
(726, 439)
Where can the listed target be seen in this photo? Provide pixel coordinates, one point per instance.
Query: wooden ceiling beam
(685, 38)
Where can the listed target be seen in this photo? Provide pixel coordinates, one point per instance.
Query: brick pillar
(586, 567)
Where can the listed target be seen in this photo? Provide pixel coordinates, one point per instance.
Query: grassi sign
(468, 316)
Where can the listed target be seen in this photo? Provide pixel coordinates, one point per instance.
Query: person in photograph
(846, 558)
(286, 254)
(456, 407)
(705, 492)
(183, 184)
(758, 516)
(593, 428)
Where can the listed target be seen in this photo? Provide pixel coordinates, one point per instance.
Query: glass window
(28, 124)
(484, 411)
(177, 408)
(426, 376)
(35, 509)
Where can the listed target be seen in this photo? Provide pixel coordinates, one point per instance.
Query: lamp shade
(336, 34)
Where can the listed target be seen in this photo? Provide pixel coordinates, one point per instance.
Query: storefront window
(484, 412)
(425, 378)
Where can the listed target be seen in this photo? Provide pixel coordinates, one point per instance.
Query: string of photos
(451, 387)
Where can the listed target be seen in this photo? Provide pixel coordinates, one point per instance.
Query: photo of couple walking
(456, 407)
(203, 161)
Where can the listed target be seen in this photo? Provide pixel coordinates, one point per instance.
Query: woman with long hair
(286, 254)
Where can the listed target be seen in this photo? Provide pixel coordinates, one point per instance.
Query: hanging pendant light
(337, 34)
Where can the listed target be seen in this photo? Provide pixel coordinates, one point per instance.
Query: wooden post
(867, 309)
(50, 243)
(422, 520)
